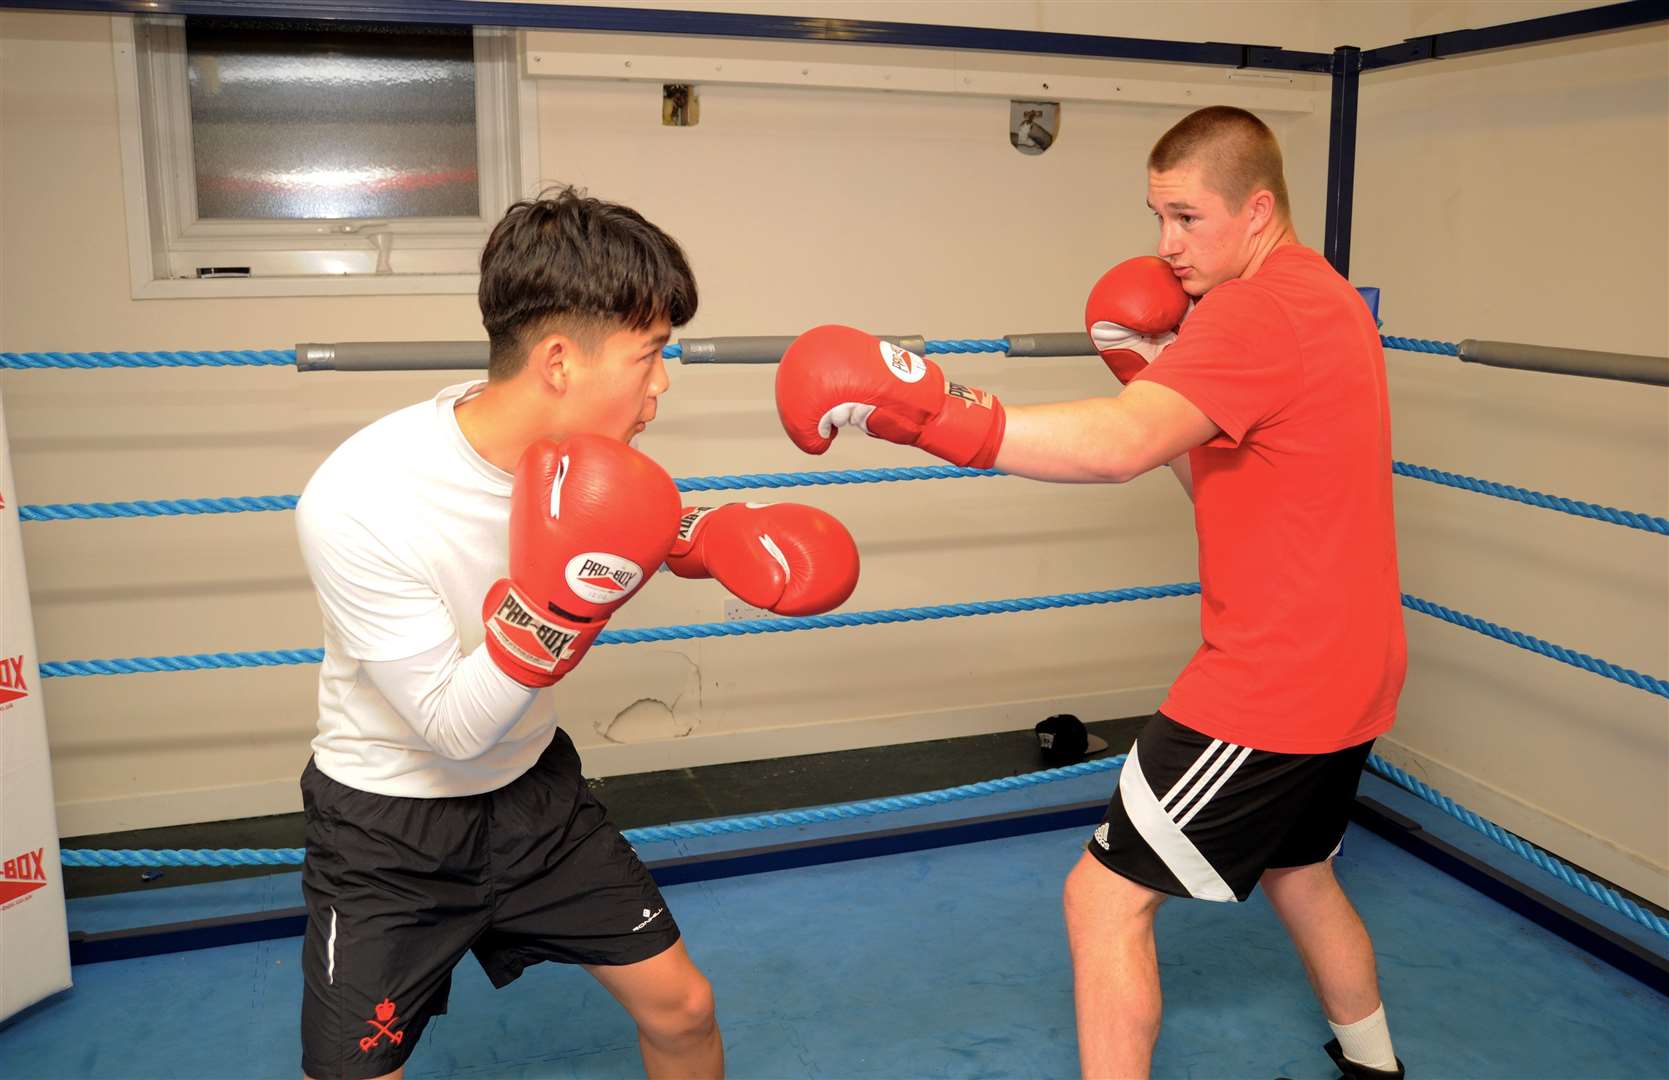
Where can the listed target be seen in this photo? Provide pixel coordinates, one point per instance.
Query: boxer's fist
(835, 376)
(590, 519)
(1133, 312)
(786, 558)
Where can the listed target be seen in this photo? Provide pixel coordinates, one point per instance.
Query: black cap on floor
(1064, 740)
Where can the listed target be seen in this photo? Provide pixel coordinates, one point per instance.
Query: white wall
(797, 207)
(1291, 24)
(1520, 196)
(1476, 191)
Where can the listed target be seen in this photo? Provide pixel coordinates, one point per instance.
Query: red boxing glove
(835, 376)
(784, 557)
(1133, 313)
(590, 519)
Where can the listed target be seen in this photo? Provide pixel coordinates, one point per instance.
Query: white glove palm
(1111, 337)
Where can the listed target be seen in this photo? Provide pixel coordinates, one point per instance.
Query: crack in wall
(669, 706)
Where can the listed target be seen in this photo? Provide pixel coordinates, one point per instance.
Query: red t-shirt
(1300, 611)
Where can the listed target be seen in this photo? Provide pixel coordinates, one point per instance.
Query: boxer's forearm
(1102, 440)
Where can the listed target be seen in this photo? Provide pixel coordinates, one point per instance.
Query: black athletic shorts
(399, 889)
(1197, 816)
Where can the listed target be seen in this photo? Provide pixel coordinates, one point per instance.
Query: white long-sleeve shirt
(404, 529)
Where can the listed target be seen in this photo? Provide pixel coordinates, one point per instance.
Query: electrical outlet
(735, 611)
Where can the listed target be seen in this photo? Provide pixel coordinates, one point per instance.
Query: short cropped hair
(569, 263)
(1236, 152)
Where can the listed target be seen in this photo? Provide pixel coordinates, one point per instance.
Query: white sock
(1367, 1041)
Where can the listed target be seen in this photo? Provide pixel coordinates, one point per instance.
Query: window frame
(168, 243)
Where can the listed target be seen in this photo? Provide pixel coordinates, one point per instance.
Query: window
(286, 158)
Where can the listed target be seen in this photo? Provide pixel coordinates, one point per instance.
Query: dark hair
(568, 262)
(1236, 151)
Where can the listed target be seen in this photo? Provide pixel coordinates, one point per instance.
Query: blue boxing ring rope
(87, 361)
(293, 856)
(88, 858)
(1611, 898)
(87, 511)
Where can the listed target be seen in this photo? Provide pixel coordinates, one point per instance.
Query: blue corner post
(1341, 156)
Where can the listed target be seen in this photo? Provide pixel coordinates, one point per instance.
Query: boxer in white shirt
(466, 552)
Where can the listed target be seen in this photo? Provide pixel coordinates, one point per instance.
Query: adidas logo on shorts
(1101, 837)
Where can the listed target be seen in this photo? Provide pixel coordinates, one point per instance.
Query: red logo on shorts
(385, 1020)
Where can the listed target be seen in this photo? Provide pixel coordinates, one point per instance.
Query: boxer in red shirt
(1269, 403)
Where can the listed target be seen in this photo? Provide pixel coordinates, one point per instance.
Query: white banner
(34, 938)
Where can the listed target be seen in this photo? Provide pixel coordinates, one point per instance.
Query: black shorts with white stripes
(1197, 816)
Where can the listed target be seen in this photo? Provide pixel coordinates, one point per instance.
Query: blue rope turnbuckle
(24, 361)
(144, 857)
(59, 669)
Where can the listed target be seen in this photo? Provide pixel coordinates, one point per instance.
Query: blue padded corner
(1370, 296)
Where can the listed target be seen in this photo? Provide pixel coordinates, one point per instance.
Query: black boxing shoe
(1352, 1070)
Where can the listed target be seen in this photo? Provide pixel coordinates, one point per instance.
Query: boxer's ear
(551, 360)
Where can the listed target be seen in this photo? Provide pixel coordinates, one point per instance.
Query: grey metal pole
(764, 350)
(1625, 367)
(392, 356)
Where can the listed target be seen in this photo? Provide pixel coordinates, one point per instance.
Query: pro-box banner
(34, 939)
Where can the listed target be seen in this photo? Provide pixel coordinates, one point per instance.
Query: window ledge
(308, 285)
